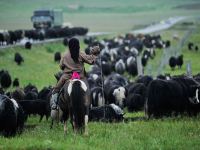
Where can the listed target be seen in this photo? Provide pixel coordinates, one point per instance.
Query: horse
(74, 103)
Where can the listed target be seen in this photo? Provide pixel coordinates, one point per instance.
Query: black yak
(144, 60)
(65, 41)
(96, 96)
(30, 87)
(172, 97)
(115, 94)
(179, 61)
(5, 79)
(146, 79)
(12, 116)
(107, 113)
(135, 102)
(167, 44)
(31, 92)
(57, 57)
(18, 58)
(172, 62)
(28, 45)
(120, 66)
(106, 68)
(18, 94)
(190, 45)
(16, 82)
(40, 107)
(196, 48)
(131, 66)
(136, 96)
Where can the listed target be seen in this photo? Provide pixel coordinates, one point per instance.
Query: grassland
(167, 133)
(118, 16)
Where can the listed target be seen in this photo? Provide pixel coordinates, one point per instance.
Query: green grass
(166, 133)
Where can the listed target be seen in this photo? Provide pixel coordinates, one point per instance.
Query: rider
(72, 63)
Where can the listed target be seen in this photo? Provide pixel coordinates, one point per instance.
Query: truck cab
(43, 19)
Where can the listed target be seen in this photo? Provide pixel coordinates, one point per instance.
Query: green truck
(43, 19)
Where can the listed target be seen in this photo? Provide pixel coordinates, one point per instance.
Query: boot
(54, 101)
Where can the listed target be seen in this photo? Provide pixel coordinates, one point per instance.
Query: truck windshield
(42, 13)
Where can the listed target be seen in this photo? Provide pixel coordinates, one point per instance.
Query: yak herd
(12, 37)
(111, 90)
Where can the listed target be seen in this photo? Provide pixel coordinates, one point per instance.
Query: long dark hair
(74, 48)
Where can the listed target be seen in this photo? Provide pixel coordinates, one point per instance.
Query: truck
(47, 18)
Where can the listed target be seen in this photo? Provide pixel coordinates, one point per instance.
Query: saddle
(75, 75)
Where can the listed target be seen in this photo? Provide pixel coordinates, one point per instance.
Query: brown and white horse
(74, 102)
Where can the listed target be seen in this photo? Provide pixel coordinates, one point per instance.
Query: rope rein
(102, 86)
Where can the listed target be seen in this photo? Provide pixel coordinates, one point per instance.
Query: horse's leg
(73, 124)
(86, 118)
(75, 128)
(65, 128)
(72, 120)
(58, 116)
(86, 125)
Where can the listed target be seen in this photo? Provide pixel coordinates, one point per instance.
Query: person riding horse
(72, 64)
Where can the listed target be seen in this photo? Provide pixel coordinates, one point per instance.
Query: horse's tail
(78, 108)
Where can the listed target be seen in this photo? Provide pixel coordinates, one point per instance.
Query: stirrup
(54, 99)
(54, 107)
